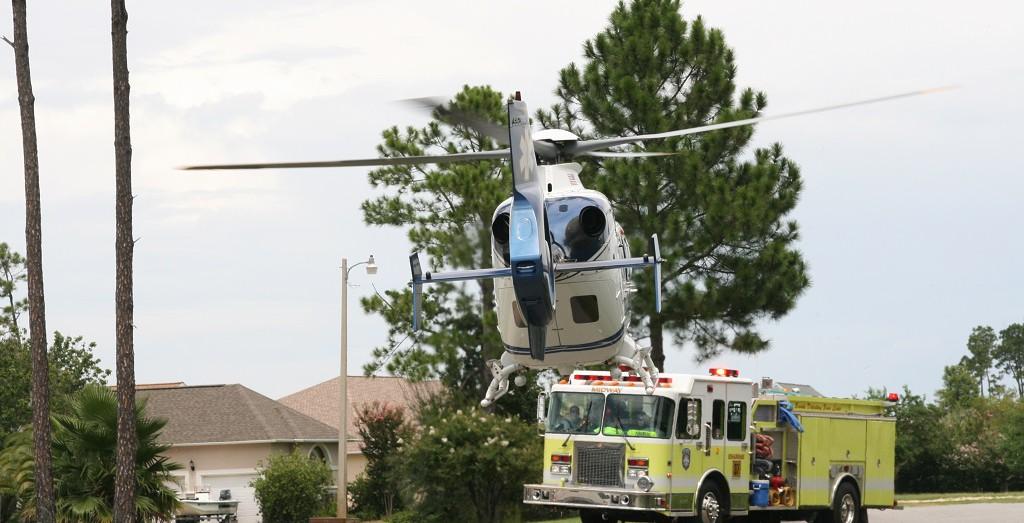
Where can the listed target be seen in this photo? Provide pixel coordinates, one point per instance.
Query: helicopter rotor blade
(627, 154)
(586, 146)
(499, 154)
(496, 132)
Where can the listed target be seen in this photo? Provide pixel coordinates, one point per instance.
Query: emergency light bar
(725, 373)
(606, 379)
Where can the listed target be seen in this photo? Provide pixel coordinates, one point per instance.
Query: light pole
(371, 269)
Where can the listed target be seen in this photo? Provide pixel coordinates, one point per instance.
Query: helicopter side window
(584, 309)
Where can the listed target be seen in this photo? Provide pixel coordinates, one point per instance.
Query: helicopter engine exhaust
(592, 221)
(499, 229)
(585, 235)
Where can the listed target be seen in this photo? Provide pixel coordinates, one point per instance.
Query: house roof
(229, 414)
(321, 401)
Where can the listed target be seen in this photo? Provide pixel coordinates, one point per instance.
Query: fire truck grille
(599, 464)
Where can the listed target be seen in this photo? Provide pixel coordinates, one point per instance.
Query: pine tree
(124, 244)
(981, 344)
(730, 252)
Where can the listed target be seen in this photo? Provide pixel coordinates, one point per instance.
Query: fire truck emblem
(686, 459)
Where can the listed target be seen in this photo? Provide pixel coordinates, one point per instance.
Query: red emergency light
(893, 396)
(725, 373)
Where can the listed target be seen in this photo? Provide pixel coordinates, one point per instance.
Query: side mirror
(542, 412)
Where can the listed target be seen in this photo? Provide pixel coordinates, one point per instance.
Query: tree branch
(10, 43)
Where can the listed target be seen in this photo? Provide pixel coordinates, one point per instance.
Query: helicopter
(561, 263)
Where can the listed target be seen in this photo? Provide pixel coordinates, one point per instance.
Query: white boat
(200, 505)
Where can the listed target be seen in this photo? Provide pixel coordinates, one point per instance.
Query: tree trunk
(124, 480)
(658, 341)
(34, 267)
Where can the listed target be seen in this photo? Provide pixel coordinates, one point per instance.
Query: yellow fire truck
(711, 447)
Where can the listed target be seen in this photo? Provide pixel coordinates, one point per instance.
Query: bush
(404, 516)
(290, 487)
(375, 491)
(468, 465)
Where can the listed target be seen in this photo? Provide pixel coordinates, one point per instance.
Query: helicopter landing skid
(501, 370)
(638, 362)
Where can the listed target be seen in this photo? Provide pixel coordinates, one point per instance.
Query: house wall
(234, 465)
(217, 458)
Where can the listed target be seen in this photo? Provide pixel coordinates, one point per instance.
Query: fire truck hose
(764, 446)
(788, 496)
(774, 497)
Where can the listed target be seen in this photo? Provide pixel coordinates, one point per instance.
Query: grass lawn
(912, 500)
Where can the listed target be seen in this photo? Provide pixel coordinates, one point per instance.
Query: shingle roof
(321, 401)
(229, 413)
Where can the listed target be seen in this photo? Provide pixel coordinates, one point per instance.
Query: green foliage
(375, 492)
(959, 388)
(84, 441)
(468, 465)
(72, 367)
(965, 441)
(405, 516)
(12, 273)
(731, 256)
(1009, 355)
(1013, 443)
(290, 487)
(71, 360)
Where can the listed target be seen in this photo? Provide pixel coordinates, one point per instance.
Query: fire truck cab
(710, 447)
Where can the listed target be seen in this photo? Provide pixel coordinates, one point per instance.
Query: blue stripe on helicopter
(600, 344)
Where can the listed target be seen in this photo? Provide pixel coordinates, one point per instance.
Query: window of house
(319, 453)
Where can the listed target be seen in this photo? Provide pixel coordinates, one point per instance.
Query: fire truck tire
(846, 505)
(711, 506)
(596, 516)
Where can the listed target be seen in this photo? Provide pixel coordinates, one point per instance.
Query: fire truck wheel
(846, 505)
(710, 504)
(595, 516)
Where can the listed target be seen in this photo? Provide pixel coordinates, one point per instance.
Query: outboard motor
(225, 494)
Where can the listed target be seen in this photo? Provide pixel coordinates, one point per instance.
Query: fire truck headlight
(562, 470)
(645, 483)
(536, 495)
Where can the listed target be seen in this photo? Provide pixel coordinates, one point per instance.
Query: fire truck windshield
(638, 416)
(575, 412)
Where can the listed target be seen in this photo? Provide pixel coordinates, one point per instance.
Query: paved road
(970, 513)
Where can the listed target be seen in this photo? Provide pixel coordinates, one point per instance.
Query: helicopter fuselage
(592, 307)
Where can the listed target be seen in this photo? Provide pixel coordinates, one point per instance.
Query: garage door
(248, 510)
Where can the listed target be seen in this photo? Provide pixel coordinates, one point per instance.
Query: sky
(910, 217)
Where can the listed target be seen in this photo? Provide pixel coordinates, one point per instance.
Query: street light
(371, 269)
